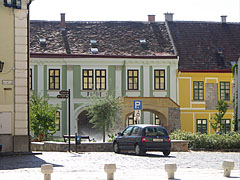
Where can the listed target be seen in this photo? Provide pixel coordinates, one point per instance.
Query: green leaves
(216, 120)
(103, 111)
(42, 117)
(208, 141)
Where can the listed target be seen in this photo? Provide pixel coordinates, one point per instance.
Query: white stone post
(110, 169)
(227, 166)
(170, 169)
(47, 169)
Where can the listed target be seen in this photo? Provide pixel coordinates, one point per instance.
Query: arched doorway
(86, 128)
(165, 109)
(154, 118)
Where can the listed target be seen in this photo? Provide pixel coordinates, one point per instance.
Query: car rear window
(155, 131)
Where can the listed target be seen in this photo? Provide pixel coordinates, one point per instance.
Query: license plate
(157, 140)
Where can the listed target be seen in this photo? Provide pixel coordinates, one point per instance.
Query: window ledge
(198, 102)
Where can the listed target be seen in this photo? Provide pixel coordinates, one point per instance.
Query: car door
(123, 140)
(134, 137)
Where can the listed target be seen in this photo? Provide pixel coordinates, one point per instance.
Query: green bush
(208, 141)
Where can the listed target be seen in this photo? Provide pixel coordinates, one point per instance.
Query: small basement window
(94, 50)
(93, 43)
(42, 42)
(143, 43)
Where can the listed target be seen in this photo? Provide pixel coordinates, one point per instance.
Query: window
(136, 131)
(100, 77)
(157, 120)
(159, 79)
(225, 126)
(30, 79)
(57, 122)
(131, 119)
(127, 131)
(202, 126)
(198, 90)
(132, 79)
(87, 79)
(225, 91)
(54, 79)
(155, 131)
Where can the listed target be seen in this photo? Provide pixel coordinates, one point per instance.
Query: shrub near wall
(209, 141)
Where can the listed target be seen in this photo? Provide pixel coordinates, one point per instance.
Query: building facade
(133, 60)
(206, 53)
(14, 119)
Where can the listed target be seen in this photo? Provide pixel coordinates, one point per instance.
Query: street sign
(137, 105)
(62, 96)
(137, 114)
(63, 92)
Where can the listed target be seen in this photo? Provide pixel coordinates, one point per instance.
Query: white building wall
(118, 81)
(21, 74)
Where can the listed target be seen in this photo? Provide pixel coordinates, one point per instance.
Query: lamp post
(1, 66)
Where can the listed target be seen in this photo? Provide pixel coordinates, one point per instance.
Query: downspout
(179, 73)
(28, 63)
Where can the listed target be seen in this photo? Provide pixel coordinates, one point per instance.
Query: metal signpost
(66, 94)
(137, 107)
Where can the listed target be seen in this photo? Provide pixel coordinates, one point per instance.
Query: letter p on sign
(137, 105)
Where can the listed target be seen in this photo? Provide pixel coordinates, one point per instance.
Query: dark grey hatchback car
(142, 138)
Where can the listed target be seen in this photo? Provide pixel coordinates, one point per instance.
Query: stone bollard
(110, 169)
(170, 169)
(227, 166)
(47, 169)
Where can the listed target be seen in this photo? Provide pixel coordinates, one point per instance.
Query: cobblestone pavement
(84, 166)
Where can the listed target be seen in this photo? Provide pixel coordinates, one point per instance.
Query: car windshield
(155, 131)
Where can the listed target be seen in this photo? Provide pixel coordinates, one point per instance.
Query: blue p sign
(137, 105)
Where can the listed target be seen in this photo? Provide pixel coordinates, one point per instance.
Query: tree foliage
(42, 117)
(216, 120)
(103, 111)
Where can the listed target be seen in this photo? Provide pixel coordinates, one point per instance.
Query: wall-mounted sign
(7, 82)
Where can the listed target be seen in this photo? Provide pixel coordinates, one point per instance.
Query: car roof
(145, 125)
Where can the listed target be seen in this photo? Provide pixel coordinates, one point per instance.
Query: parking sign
(137, 105)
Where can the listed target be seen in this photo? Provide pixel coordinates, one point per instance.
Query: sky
(135, 10)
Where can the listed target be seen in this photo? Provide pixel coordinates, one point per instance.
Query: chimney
(168, 16)
(224, 19)
(151, 18)
(62, 25)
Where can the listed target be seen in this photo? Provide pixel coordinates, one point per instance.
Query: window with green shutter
(225, 91)
(225, 126)
(198, 90)
(202, 126)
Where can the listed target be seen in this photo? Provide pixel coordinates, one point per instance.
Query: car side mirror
(119, 134)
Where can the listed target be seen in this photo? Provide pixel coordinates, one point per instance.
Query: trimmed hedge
(208, 141)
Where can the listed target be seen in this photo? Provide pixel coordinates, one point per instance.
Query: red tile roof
(113, 38)
(205, 45)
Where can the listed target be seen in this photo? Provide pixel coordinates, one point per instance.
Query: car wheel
(138, 150)
(116, 148)
(166, 153)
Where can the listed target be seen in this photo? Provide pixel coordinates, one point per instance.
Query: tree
(235, 96)
(216, 120)
(42, 117)
(103, 111)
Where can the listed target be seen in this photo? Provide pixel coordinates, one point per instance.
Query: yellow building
(206, 53)
(198, 96)
(14, 50)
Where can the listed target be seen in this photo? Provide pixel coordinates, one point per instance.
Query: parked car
(142, 138)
